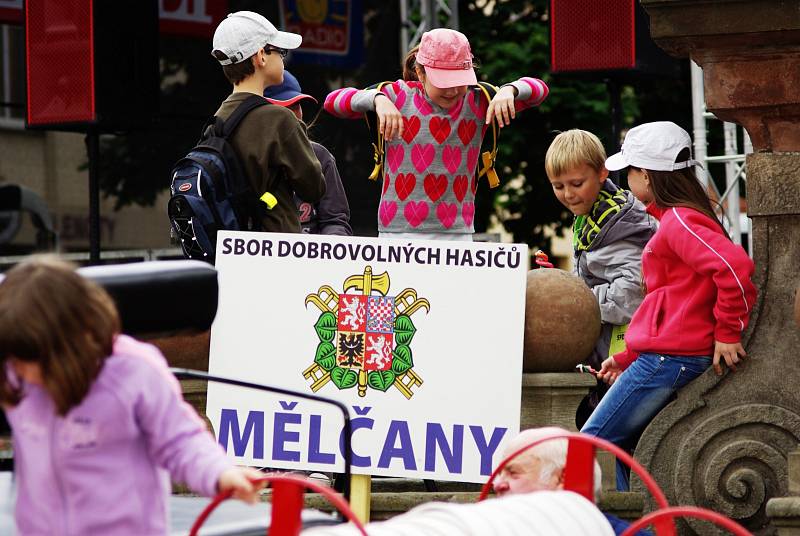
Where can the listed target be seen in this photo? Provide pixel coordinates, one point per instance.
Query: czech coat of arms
(365, 336)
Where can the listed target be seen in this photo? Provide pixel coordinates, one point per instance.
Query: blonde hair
(571, 149)
(52, 316)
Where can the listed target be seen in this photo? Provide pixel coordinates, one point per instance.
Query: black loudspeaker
(91, 64)
(611, 36)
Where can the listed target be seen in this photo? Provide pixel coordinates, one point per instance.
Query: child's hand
(609, 371)
(502, 106)
(390, 121)
(541, 259)
(730, 352)
(239, 480)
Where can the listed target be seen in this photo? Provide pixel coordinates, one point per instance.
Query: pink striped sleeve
(538, 92)
(338, 103)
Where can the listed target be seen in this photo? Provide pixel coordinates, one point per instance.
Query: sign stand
(93, 152)
(360, 489)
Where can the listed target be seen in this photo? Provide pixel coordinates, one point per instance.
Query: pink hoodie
(105, 467)
(698, 289)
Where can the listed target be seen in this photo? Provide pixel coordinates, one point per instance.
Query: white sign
(422, 340)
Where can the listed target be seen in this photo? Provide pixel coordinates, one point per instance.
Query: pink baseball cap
(447, 58)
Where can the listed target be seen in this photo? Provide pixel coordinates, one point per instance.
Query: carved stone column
(724, 443)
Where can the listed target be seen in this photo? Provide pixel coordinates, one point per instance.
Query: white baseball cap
(242, 34)
(653, 146)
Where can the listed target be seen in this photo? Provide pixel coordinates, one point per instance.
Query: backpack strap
(251, 203)
(378, 153)
(230, 124)
(224, 128)
(488, 158)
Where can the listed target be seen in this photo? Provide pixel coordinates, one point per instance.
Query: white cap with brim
(244, 33)
(653, 146)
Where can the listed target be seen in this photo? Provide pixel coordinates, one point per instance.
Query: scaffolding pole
(699, 122)
(419, 16)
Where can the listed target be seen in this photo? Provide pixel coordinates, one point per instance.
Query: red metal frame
(557, 13)
(687, 511)
(287, 504)
(37, 8)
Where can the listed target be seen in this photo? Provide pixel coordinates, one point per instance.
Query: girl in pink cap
(433, 129)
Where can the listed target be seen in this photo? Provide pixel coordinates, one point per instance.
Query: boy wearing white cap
(270, 142)
(699, 293)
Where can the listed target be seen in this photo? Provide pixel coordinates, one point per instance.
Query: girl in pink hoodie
(99, 425)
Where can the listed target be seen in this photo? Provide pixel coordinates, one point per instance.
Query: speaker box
(91, 64)
(611, 36)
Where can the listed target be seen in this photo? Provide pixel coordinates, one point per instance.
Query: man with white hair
(541, 468)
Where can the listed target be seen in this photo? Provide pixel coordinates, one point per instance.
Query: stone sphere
(562, 321)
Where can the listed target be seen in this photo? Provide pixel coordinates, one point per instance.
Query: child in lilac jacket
(99, 425)
(433, 129)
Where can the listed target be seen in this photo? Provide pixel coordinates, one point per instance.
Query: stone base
(784, 513)
(385, 505)
(551, 398)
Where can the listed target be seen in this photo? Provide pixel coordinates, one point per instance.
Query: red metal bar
(298, 482)
(579, 469)
(287, 504)
(667, 514)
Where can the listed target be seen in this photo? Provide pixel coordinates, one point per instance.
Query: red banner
(198, 18)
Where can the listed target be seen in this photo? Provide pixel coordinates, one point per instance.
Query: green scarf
(585, 228)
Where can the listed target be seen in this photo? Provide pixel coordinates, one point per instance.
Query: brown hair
(410, 66)
(236, 72)
(51, 316)
(680, 188)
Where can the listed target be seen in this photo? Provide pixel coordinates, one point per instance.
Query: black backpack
(210, 191)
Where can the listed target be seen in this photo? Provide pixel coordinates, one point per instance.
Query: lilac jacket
(105, 467)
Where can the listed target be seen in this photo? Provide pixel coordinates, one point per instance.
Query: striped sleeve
(698, 240)
(530, 92)
(351, 103)
(340, 103)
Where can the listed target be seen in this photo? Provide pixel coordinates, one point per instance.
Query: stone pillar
(797, 306)
(551, 398)
(724, 443)
(785, 511)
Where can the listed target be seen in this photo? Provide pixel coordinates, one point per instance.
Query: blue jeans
(639, 393)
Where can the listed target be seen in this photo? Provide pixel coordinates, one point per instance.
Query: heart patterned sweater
(430, 176)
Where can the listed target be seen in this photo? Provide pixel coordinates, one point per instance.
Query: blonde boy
(610, 231)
